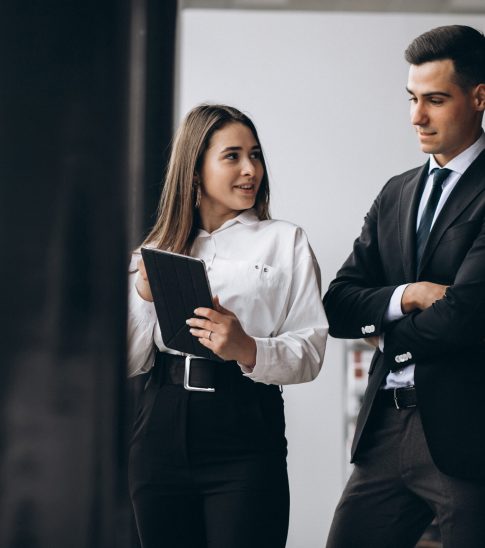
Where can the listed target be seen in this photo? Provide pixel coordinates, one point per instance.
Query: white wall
(327, 94)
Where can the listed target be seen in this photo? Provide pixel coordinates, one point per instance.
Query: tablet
(179, 285)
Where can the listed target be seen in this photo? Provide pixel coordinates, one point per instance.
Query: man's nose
(419, 116)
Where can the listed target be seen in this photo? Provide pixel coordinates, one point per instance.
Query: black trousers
(209, 469)
(395, 491)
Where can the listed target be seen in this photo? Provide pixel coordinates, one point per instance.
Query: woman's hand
(141, 284)
(220, 330)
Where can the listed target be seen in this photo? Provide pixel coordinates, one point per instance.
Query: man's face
(447, 118)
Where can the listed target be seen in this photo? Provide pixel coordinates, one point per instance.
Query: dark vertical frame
(157, 34)
(160, 71)
(64, 103)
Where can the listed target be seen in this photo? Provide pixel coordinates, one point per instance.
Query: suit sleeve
(454, 322)
(357, 299)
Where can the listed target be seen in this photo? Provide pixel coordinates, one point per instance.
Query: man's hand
(421, 295)
(372, 341)
(141, 284)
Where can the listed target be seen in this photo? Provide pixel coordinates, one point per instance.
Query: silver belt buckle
(187, 385)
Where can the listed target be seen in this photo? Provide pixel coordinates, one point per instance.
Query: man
(415, 284)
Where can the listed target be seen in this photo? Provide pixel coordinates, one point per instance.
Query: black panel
(179, 285)
(160, 70)
(63, 187)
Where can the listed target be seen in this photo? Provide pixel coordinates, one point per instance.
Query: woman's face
(231, 172)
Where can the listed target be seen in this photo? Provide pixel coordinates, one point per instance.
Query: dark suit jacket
(445, 341)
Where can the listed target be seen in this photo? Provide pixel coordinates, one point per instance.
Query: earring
(198, 194)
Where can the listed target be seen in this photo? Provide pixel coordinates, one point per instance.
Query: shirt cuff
(394, 311)
(263, 359)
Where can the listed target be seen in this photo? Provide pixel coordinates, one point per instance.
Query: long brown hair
(177, 221)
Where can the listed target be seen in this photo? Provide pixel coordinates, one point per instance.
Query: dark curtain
(64, 200)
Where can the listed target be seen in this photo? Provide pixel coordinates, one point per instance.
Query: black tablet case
(179, 284)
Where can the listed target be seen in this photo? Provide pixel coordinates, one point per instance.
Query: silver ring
(210, 335)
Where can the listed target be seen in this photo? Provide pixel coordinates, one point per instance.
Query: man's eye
(413, 100)
(436, 101)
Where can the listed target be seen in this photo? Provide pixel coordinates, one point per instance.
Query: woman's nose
(248, 167)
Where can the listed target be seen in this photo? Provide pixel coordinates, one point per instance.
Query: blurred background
(90, 93)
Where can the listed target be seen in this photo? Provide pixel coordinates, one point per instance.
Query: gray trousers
(395, 491)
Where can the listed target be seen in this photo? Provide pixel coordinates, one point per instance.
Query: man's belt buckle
(396, 401)
(187, 385)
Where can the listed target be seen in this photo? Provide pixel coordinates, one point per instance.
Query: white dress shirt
(458, 165)
(265, 272)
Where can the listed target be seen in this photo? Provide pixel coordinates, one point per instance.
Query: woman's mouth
(246, 187)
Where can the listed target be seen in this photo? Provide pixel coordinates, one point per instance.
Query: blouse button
(265, 269)
(256, 267)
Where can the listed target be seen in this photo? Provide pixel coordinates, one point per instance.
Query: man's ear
(479, 97)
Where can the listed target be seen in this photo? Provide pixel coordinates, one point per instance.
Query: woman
(209, 469)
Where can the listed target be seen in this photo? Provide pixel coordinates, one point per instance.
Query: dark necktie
(427, 218)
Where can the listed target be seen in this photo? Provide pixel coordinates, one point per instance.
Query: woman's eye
(231, 156)
(256, 155)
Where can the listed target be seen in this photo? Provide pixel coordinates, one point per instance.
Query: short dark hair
(465, 46)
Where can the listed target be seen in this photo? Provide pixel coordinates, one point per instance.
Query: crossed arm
(416, 296)
(439, 319)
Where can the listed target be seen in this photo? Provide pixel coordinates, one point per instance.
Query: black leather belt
(194, 374)
(400, 398)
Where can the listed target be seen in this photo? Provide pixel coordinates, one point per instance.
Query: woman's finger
(210, 314)
(201, 323)
(205, 334)
(208, 344)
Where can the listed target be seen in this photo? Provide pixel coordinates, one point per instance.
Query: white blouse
(265, 272)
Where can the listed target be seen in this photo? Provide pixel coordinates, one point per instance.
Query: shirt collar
(463, 161)
(246, 217)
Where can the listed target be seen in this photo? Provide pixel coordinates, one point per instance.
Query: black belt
(194, 374)
(400, 398)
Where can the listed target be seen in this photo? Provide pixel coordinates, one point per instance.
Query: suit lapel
(408, 210)
(471, 183)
